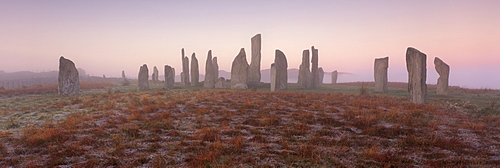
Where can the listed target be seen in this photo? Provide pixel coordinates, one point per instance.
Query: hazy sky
(106, 37)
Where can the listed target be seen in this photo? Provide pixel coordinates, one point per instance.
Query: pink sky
(106, 37)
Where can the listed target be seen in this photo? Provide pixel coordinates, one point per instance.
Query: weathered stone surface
(216, 68)
(209, 72)
(239, 71)
(281, 75)
(254, 69)
(169, 77)
(274, 77)
(195, 71)
(304, 79)
(155, 74)
(185, 69)
(321, 75)
(380, 74)
(143, 78)
(314, 68)
(417, 74)
(68, 79)
(222, 83)
(335, 75)
(443, 70)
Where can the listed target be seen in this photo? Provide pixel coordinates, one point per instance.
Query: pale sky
(106, 37)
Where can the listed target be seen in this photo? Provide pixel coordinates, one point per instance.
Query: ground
(340, 125)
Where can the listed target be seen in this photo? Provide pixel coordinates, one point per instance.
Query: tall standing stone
(321, 75)
(239, 71)
(314, 68)
(68, 79)
(274, 77)
(209, 72)
(155, 74)
(143, 78)
(185, 69)
(417, 74)
(183, 80)
(216, 68)
(304, 71)
(195, 71)
(443, 70)
(380, 74)
(169, 77)
(335, 75)
(254, 69)
(281, 75)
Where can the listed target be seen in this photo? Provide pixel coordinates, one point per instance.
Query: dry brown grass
(261, 129)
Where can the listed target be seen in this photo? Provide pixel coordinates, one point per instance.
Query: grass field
(343, 125)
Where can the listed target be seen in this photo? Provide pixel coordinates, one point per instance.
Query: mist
(108, 37)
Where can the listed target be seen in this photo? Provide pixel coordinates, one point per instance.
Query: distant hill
(27, 78)
(21, 75)
(26, 75)
(222, 73)
(293, 75)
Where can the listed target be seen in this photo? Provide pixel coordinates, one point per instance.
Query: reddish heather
(250, 129)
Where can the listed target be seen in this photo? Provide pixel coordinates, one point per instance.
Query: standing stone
(155, 74)
(304, 71)
(443, 70)
(281, 75)
(417, 74)
(209, 72)
(123, 76)
(380, 74)
(239, 71)
(335, 75)
(195, 72)
(273, 78)
(81, 72)
(216, 68)
(183, 80)
(321, 75)
(68, 79)
(185, 69)
(314, 68)
(254, 69)
(143, 78)
(186, 73)
(125, 81)
(169, 77)
(222, 83)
